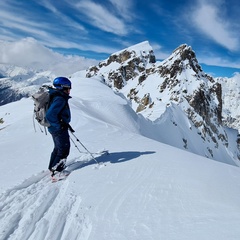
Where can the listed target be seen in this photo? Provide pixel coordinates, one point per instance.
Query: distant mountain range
(199, 111)
(17, 82)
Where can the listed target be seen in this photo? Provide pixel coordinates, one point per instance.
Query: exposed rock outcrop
(125, 65)
(179, 79)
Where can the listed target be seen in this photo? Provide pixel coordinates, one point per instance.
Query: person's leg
(61, 149)
(53, 154)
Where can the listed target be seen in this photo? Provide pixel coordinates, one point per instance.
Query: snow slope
(147, 190)
(182, 103)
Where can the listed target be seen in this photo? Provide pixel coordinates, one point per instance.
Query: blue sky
(96, 29)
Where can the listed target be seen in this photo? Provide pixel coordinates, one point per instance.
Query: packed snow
(143, 189)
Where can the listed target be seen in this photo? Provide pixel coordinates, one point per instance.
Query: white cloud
(30, 53)
(102, 18)
(207, 18)
(44, 32)
(39, 27)
(54, 29)
(218, 61)
(20, 23)
(65, 19)
(124, 8)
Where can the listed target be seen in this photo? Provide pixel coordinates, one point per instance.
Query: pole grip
(70, 128)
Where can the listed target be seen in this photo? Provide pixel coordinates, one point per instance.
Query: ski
(75, 164)
(60, 176)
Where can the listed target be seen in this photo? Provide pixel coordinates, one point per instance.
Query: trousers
(61, 148)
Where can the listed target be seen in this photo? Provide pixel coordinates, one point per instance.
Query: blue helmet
(62, 83)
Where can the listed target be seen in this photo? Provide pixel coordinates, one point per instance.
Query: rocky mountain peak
(182, 58)
(152, 87)
(157, 90)
(124, 65)
(184, 52)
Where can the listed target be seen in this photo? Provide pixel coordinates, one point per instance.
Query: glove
(64, 125)
(70, 128)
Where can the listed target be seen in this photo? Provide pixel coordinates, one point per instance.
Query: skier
(59, 116)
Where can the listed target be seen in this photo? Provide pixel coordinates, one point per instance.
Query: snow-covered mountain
(160, 92)
(230, 101)
(163, 91)
(146, 190)
(17, 82)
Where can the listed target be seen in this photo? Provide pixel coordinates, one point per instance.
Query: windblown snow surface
(145, 190)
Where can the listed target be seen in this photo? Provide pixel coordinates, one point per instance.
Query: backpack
(41, 104)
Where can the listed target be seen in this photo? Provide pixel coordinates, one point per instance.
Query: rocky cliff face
(230, 101)
(152, 87)
(125, 65)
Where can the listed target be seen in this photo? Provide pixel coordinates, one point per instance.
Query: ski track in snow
(39, 209)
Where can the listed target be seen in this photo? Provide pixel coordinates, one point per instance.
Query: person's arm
(53, 112)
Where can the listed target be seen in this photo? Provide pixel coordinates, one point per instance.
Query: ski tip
(60, 176)
(53, 179)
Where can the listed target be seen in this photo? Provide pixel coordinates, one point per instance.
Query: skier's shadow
(119, 157)
(115, 157)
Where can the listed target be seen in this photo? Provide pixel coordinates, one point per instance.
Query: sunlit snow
(146, 189)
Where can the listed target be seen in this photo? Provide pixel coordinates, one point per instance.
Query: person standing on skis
(59, 116)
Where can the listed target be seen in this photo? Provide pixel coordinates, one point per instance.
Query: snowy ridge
(146, 190)
(153, 87)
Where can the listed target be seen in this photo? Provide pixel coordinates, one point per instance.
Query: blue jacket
(58, 114)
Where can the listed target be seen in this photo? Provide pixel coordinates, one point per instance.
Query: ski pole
(72, 132)
(71, 129)
(76, 145)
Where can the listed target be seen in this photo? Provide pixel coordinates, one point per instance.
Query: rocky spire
(124, 65)
(182, 58)
(177, 80)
